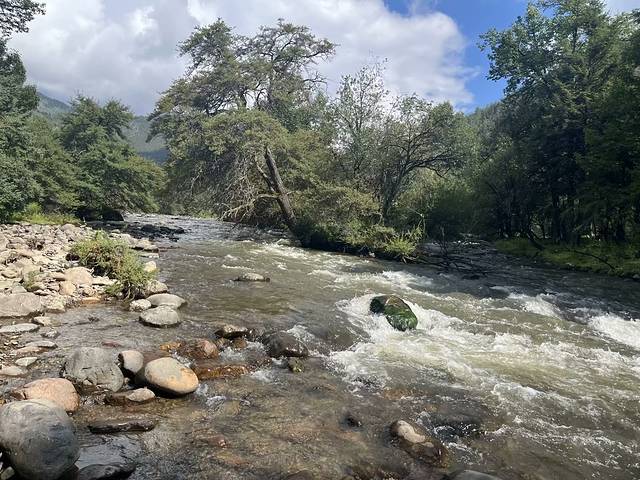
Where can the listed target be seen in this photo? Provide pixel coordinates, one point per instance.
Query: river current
(526, 372)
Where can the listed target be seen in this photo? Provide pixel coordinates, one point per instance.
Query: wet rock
(16, 305)
(169, 376)
(57, 390)
(18, 328)
(160, 317)
(39, 439)
(78, 276)
(140, 305)
(12, 371)
(155, 287)
(352, 421)
(206, 371)
(469, 475)
(230, 332)
(106, 472)
(131, 397)
(282, 344)
(418, 444)
(166, 300)
(124, 425)
(199, 349)
(295, 365)
(239, 343)
(452, 426)
(93, 368)
(397, 312)
(26, 362)
(131, 362)
(252, 277)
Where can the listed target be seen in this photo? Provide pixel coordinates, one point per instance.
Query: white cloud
(127, 49)
(617, 6)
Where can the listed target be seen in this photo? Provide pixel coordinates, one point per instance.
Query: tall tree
(15, 14)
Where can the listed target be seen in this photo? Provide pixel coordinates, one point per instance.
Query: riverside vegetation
(252, 135)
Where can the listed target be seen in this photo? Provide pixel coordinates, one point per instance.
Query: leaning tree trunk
(277, 187)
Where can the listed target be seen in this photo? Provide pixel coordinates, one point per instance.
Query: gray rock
(16, 305)
(26, 362)
(282, 344)
(168, 375)
(160, 317)
(93, 368)
(12, 371)
(155, 287)
(231, 331)
(43, 321)
(252, 277)
(140, 305)
(18, 328)
(131, 361)
(111, 471)
(166, 300)
(78, 276)
(39, 439)
(131, 397)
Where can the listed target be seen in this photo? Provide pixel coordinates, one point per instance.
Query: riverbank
(610, 259)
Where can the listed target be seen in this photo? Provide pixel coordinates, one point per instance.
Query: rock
(169, 376)
(150, 266)
(131, 361)
(111, 471)
(15, 305)
(160, 317)
(231, 331)
(397, 312)
(214, 372)
(282, 344)
(57, 390)
(78, 276)
(295, 365)
(140, 305)
(252, 277)
(26, 362)
(18, 328)
(117, 426)
(199, 349)
(42, 321)
(7, 473)
(108, 214)
(93, 368)
(39, 439)
(155, 287)
(470, 475)
(301, 475)
(145, 245)
(45, 344)
(66, 288)
(131, 397)
(12, 371)
(166, 300)
(419, 445)
(102, 281)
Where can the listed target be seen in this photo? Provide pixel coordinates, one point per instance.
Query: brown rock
(169, 376)
(199, 349)
(132, 397)
(66, 288)
(214, 372)
(58, 390)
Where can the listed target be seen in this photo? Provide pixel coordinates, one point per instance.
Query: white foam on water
(617, 328)
(235, 267)
(278, 250)
(538, 304)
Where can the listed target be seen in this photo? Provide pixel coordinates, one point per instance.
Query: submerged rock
(93, 368)
(418, 444)
(199, 349)
(39, 439)
(131, 397)
(111, 471)
(397, 312)
(57, 390)
(160, 317)
(166, 300)
(282, 344)
(169, 376)
(206, 371)
(117, 426)
(252, 277)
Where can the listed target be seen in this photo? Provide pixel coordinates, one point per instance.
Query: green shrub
(33, 213)
(116, 260)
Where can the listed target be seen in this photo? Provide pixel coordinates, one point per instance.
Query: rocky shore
(43, 418)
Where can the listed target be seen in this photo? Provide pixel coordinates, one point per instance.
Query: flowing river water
(526, 373)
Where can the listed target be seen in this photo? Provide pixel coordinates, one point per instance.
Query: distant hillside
(137, 134)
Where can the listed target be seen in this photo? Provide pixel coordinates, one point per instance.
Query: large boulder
(78, 276)
(92, 368)
(57, 390)
(39, 439)
(397, 312)
(131, 362)
(166, 300)
(160, 317)
(169, 376)
(16, 305)
(282, 344)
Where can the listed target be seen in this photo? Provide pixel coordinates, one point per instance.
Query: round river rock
(170, 376)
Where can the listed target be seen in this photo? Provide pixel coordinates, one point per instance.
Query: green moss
(398, 313)
(114, 259)
(591, 256)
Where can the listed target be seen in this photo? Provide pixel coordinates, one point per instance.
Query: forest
(254, 135)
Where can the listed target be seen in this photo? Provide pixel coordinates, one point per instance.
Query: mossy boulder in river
(398, 313)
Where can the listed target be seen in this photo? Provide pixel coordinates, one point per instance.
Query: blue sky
(126, 49)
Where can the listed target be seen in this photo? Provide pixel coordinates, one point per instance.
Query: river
(526, 373)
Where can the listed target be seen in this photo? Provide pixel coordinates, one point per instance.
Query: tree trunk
(282, 196)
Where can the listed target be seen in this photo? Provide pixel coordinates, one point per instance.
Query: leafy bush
(114, 259)
(17, 186)
(33, 213)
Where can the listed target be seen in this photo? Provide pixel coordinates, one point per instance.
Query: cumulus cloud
(127, 50)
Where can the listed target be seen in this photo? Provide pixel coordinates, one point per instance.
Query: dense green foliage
(116, 260)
